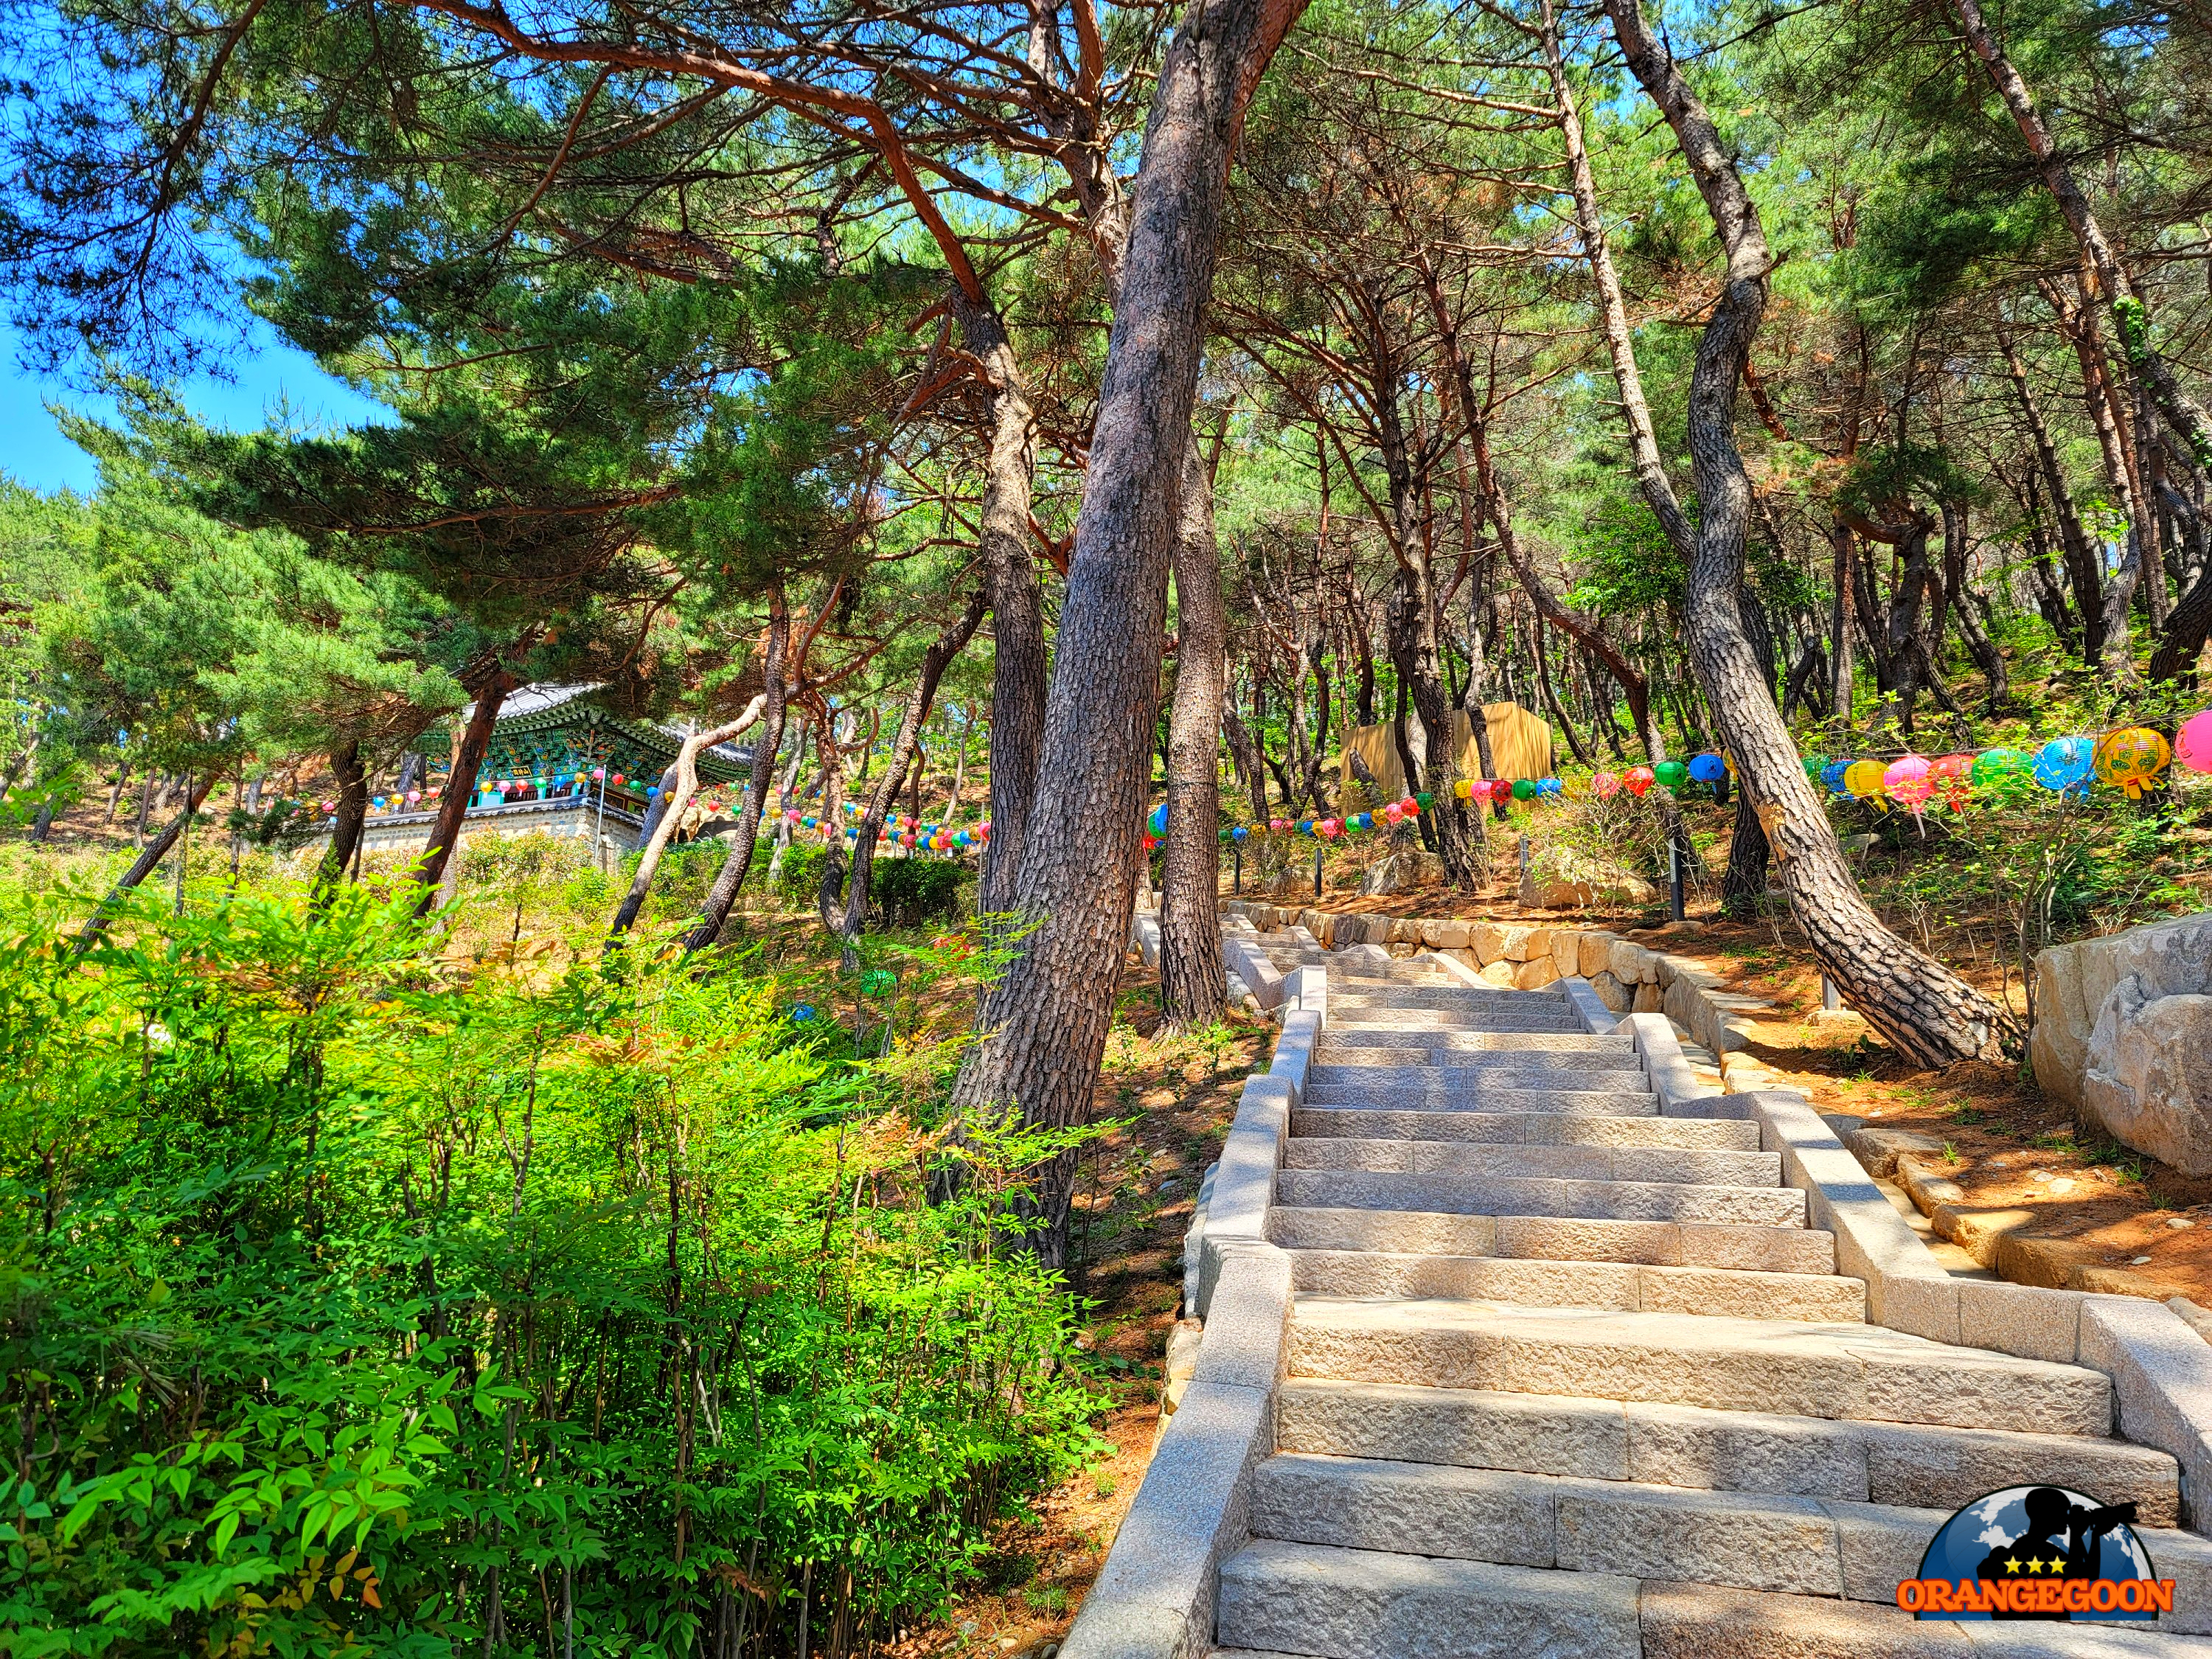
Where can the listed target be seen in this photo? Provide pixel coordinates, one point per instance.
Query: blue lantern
(1305, 826)
(1366, 820)
(1708, 768)
(1158, 819)
(1239, 832)
(1831, 776)
(1550, 788)
(2065, 764)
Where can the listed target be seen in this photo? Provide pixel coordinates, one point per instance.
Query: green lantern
(1814, 765)
(1523, 789)
(1424, 800)
(1993, 764)
(879, 982)
(1671, 774)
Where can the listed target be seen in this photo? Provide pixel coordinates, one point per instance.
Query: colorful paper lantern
(1326, 828)
(1607, 785)
(1993, 764)
(1366, 820)
(1239, 833)
(1409, 808)
(2192, 744)
(1905, 781)
(1670, 775)
(1157, 821)
(1948, 775)
(1814, 766)
(1304, 826)
(1864, 780)
(2131, 757)
(1524, 789)
(1425, 799)
(2065, 764)
(1550, 788)
(1832, 775)
(1708, 768)
(1638, 778)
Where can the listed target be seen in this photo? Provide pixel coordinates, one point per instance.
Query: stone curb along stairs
(1519, 1339)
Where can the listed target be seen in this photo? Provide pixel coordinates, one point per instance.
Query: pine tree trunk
(829, 891)
(935, 661)
(732, 875)
(144, 865)
(1925, 1010)
(1047, 1016)
(345, 829)
(461, 784)
(1194, 991)
(1017, 674)
(677, 785)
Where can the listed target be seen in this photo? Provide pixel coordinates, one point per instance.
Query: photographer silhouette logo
(2040, 1552)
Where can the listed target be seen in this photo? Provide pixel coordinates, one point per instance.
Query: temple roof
(536, 717)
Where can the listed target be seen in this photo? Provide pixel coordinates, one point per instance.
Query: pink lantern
(2192, 744)
(1393, 812)
(1906, 781)
(414, 795)
(1276, 826)
(598, 773)
(1607, 785)
(330, 806)
(1326, 828)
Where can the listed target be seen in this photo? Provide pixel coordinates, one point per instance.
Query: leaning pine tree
(1927, 1011)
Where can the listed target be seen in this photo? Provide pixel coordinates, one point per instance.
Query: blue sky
(33, 452)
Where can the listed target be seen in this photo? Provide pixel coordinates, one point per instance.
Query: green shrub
(914, 891)
(358, 1303)
(799, 874)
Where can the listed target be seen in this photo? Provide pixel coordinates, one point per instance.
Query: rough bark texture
(461, 782)
(1017, 674)
(829, 891)
(1979, 645)
(732, 875)
(1046, 1020)
(1926, 1011)
(935, 661)
(345, 828)
(2083, 572)
(1194, 991)
(1840, 686)
(143, 866)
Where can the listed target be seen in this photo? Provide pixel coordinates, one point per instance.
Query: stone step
(1542, 1195)
(1491, 1128)
(1919, 1466)
(1548, 1238)
(1786, 1543)
(1361, 1604)
(1450, 1614)
(1468, 1030)
(1704, 1621)
(1819, 1297)
(1402, 1051)
(1355, 994)
(1841, 1370)
(1474, 1094)
(1483, 1074)
(1697, 1165)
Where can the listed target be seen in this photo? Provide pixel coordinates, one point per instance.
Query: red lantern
(1409, 808)
(1637, 780)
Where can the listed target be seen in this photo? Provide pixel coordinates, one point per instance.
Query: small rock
(2138, 1261)
(1009, 1641)
(2061, 1184)
(967, 1627)
(2179, 1222)
(1169, 1186)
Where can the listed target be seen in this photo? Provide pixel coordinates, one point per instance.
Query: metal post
(1674, 879)
(1829, 999)
(1317, 851)
(1237, 851)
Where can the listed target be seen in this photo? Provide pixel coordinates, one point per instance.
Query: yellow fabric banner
(1520, 747)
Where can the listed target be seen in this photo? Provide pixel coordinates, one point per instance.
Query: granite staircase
(1571, 1379)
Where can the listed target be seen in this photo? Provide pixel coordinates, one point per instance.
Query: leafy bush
(354, 1302)
(799, 874)
(913, 892)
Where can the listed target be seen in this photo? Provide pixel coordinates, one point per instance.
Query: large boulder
(1565, 879)
(2148, 1083)
(2074, 982)
(1399, 871)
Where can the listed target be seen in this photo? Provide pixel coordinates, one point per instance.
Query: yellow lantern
(1864, 779)
(2131, 757)
(1462, 788)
